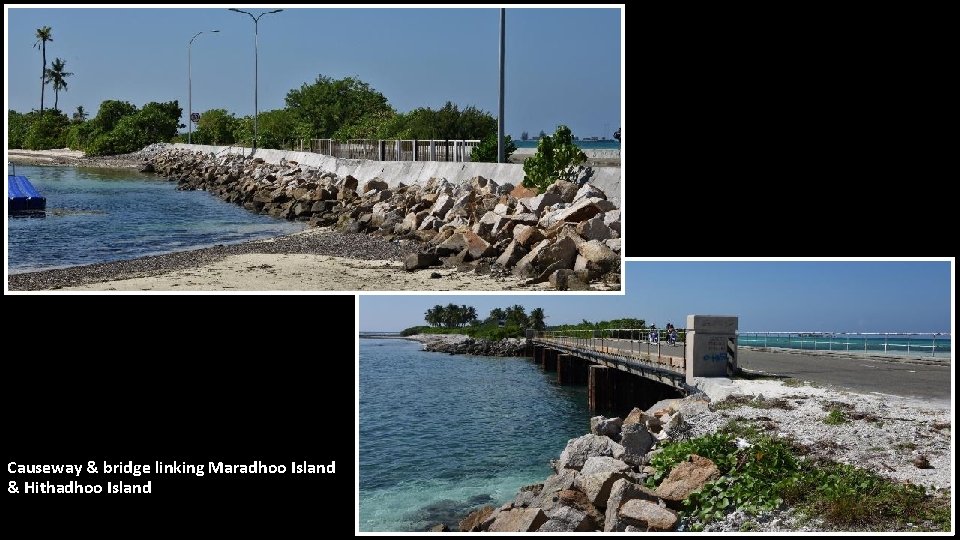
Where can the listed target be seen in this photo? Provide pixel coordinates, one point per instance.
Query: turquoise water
(443, 434)
(899, 345)
(595, 145)
(98, 215)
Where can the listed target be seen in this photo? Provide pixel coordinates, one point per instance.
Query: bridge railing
(653, 342)
(892, 343)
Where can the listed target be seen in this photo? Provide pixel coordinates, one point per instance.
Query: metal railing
(393, 150)
(652, 343)
(918, 344)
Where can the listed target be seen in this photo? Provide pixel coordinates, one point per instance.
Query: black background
(187, 378)
(784, 130)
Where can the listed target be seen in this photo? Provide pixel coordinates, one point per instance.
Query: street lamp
(190, 86)
(256, 54)
(500, 146)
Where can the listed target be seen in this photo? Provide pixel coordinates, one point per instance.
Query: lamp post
(190, 86)
(256, 54)
(500, 146)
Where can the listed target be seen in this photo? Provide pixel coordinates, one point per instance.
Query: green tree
(537, 319)
(434, 315)
(382, 124)
(18, 125)
(110, 112)
(517, 316)
(80, 115)
(44, 34)
(58, 78)
(329, 104)
(216, 126)
(486, 151)
(79, 135)
(47, 131)
(277, 129)
(524, 136)
(447, 123)
(130, 130)
(497, 314)
(554, 155)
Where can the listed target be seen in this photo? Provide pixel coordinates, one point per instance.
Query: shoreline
(452, 249)
(63, 157)
(315, 259)
(596, 474)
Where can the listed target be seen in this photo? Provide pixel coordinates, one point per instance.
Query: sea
(441, 435)
(584, 145)
(98, 215)
(916, 345)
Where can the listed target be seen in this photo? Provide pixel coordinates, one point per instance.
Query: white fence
(393, 150)
(891, 343)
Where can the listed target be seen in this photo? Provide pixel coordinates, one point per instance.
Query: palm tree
(81, 114)
(44, 34)
(517, 315)
(58, 77)
(470, 314)
(434, 315)
(536, 319)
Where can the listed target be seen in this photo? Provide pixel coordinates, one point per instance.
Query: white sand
(298, 272)
(45, 155)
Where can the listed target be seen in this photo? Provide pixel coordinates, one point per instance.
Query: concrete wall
(410, 172)
(711, 346)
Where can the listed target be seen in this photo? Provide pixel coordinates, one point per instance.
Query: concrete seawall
(410, 172)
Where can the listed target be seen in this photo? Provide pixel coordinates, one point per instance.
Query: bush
(216, 126)
(119, 128)
(18, 125)
(78, 137)
(48, 131)
(486, 151)
(554, 155)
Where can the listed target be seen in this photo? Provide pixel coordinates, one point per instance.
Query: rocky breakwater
(461, 344)
(568, 235)
(599, 480)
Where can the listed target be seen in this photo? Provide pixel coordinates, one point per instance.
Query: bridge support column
(571, 369)
(711, 346)
(550, 360)
(599, 389)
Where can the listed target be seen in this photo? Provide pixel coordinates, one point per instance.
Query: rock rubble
(568, 235)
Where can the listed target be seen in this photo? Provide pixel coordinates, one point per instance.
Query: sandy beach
(313, 260)
(76, 158)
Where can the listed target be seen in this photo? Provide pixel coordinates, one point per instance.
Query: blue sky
(767, 296)
(563, 65)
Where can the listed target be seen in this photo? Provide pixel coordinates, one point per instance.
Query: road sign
(195, 117)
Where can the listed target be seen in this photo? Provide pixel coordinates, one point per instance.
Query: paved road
(862, 374)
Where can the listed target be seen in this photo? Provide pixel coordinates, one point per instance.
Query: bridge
(624, 366)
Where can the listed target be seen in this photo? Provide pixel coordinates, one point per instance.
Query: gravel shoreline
(314, 241)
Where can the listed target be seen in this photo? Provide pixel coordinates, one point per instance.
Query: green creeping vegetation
(510, 322)
(835, 417)
(769, 473)
(554, 155)
(757, 402)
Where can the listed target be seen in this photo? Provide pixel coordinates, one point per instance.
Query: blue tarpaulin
(22, 196)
